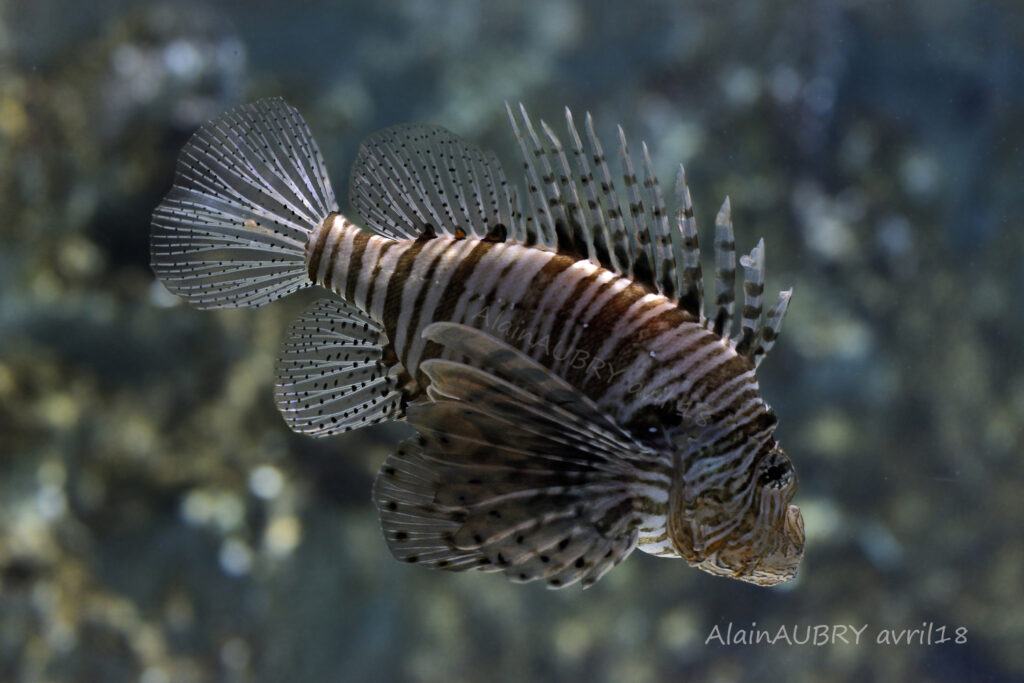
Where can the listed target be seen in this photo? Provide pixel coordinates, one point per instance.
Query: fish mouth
(795, 527)
(782, 565)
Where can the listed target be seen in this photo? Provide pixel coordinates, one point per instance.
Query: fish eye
(777, 475)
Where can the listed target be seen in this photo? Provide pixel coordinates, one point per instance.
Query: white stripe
(658, 389)
(696, 366)
(455, 251)
(328, 269)
(597, 366)
(388, 262)
(527, 263)
(574, 330)
(369, 260)
(555, 293)
(510, 288)
(718, 398)
(631, 320)
(415, 281)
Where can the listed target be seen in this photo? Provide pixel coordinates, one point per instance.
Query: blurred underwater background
(158, 521)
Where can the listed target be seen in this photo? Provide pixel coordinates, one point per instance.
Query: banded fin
(690, 277)
(622, 242)
(416, 180)
(756, 335)
(663, 246)
(725, 270)
(250, 187)
(513, 474)
(636, 243)
(772, 326)
(539, 223)
(332, 375)
(753, 294)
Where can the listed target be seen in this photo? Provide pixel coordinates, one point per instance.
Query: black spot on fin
(419, 174)
(499, 233)
(249, 190)
(336, 372)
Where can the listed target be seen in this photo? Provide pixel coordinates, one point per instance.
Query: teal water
(158, 522)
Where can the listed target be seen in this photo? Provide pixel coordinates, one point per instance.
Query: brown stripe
(376, 273)
(678, 357)
(318, 248)
(527, 308)
(590, 340)
(632, 344)
(733, 414)
(355, 263)
(602, 324)
(452, 291)
(396, 283)
(492, 293)
(733, 407)
(421, 295)
(732, 439)
(564, 315)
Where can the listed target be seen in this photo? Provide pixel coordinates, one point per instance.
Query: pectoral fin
(518, 473)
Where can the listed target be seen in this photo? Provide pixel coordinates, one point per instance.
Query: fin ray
(753, 294)
(772, 326)
(330, 375)
(250, 187)
(511, 472)
(411, 176)
(725, 271)
(663, 256)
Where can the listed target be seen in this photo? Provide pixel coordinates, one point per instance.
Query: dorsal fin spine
(572, 209)
(664, 256)
(639, 238)
(753, 294)
(772, 326)
(554, 206)
(598, 227)
(620, 240)
(691, 280)
(537, 210)
(725, 271)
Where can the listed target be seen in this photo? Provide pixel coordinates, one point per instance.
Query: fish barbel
(571, 399)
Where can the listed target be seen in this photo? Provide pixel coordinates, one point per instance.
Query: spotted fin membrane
(249, 189)
(331, 374)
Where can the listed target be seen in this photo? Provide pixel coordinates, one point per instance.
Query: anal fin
(334, 375)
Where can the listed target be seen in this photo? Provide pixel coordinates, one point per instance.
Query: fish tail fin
(249, 190)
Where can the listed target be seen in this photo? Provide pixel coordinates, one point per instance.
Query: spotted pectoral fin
(515, 382)
(332, 374)
(503, 478)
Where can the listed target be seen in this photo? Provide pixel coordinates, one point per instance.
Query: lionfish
(571, 400)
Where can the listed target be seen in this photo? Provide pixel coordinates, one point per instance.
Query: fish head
(739, 523)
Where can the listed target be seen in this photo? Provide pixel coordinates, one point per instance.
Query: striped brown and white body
(606, 335)
(558, 375)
